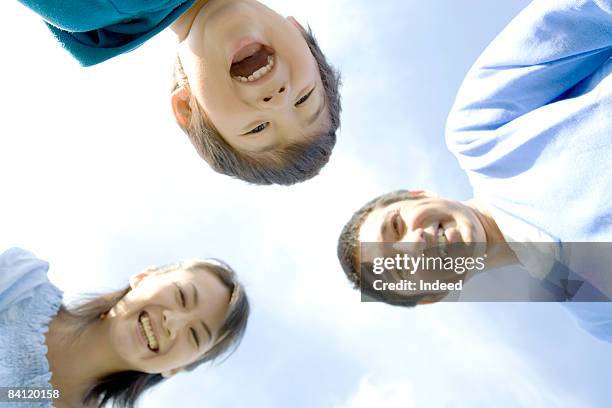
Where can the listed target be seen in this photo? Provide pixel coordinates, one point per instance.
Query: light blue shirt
(96, 30)
(28, 302)
(532, 127)
(532, 124)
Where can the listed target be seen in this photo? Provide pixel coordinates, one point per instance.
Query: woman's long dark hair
(122, 389)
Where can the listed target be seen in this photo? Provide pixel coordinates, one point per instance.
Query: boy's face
(254, 75)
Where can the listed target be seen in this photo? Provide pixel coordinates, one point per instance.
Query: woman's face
(169, 319)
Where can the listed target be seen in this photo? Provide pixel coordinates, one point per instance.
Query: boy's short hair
(288, 165)
(348, 245)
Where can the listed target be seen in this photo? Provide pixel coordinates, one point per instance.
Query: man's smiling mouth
(442, 241)
(144, 324)
(252, 62)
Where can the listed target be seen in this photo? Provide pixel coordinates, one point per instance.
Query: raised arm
(546, 50)
(96, 30)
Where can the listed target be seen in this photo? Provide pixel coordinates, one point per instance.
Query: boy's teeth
(259, 73)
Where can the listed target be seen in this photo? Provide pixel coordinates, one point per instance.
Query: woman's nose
(173, 321)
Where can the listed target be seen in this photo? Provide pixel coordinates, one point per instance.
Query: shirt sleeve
(20, 273)
(595, 318)
(546, 50)
(93, 31)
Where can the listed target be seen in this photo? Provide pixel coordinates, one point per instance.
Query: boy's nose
(275, 97)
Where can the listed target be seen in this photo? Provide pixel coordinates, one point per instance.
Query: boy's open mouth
(252, 62)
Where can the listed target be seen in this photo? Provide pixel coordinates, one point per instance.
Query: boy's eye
(304, 98)
(258, 128)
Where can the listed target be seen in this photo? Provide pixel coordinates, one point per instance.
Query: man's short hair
(349, 244)
(288, 165)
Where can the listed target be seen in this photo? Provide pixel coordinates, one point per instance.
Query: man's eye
(304, 98)
(397, 223)
(258, 128)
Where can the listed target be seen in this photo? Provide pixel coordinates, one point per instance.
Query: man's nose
(173, 321)
(274, 97)
(413, 241)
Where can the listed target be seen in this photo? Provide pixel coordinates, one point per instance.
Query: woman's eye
(182, 296)
(258, 128)
(194, 334)
(304, 98)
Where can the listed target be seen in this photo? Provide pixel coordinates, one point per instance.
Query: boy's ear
(180, 106)
(295, 23)
(137, 278)
(170, 373)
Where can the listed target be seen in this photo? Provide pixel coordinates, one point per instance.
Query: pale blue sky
(99, 181)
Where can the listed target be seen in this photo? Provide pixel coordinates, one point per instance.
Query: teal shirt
(96, 30)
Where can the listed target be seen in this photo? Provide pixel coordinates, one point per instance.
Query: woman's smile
(147, 332)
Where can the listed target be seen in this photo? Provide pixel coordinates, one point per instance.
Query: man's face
(424, 222)
(254, 75)
(425, 226)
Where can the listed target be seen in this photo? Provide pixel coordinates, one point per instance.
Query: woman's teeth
(442, 241)
(147, 330)
(259, 73)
